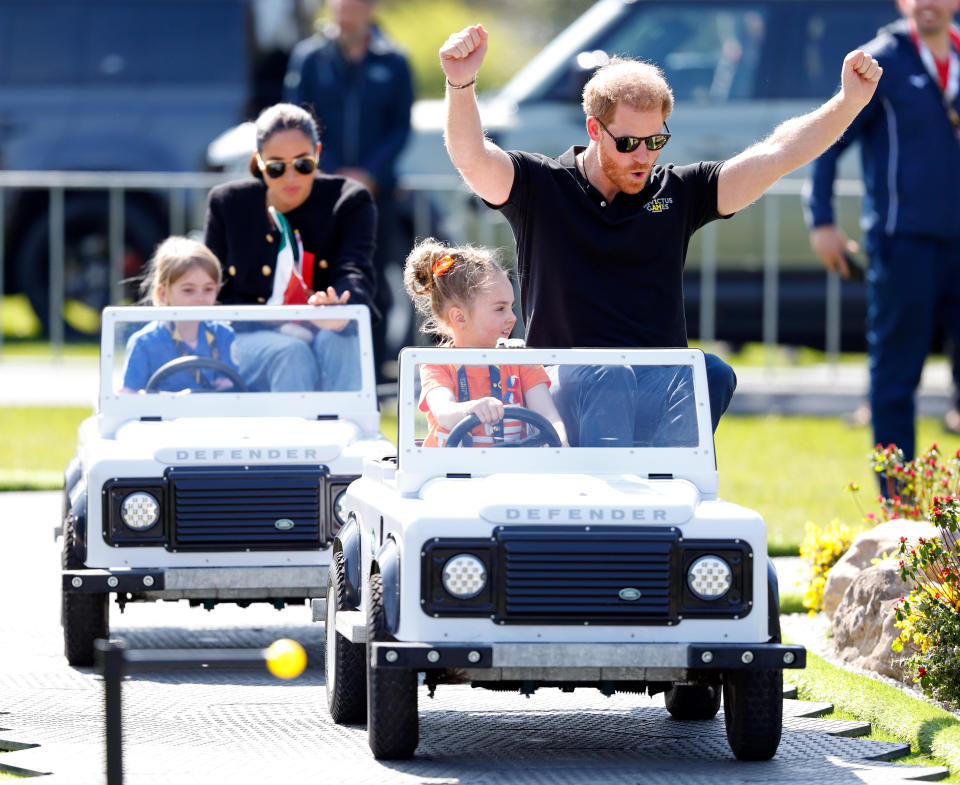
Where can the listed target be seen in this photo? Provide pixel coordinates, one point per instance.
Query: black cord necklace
(581, 162)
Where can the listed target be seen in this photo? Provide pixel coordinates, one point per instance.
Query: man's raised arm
(487, 169)
(745, 177)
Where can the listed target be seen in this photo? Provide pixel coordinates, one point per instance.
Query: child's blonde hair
(437, 276)
(173, 258)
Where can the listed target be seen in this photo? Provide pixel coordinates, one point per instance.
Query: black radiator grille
(250, 509)
(596, 576)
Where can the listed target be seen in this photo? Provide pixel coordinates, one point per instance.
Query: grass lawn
(36, 445)
(790, 469)
(796, 469)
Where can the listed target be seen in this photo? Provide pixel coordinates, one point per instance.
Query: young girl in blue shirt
(182, 272)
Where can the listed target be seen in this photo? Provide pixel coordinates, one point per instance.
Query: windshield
(483, 410)
(584, 405)
(229, 353)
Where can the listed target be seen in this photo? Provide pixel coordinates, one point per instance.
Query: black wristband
(461, 86)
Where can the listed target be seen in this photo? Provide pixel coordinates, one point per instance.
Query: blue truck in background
(122, 85)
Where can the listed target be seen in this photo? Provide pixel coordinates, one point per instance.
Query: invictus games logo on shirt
(658, 205)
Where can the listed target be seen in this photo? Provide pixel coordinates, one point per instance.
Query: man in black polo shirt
(602, 231)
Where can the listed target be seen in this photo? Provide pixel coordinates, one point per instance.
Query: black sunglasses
(275, 168)
(627, 144)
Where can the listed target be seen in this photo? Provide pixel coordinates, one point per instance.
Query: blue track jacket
(910, 153)
(363, 108)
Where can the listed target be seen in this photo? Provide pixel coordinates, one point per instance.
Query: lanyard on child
(463, 392)
(948, 86)
(185, 351)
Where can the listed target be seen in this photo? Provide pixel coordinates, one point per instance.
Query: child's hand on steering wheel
(488, 410)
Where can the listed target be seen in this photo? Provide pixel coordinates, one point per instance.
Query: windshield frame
(416, 464)
(352, 404)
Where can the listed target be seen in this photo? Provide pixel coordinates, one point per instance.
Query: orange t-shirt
(515, 380)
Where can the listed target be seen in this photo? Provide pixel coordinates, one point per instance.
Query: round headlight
(464, 576)
(340, 507)
(709, 577)
(139, 511)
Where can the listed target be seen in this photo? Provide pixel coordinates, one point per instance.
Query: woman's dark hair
(282, 117)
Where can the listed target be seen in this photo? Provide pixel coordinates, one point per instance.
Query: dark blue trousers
(620, 406)
(913, 285)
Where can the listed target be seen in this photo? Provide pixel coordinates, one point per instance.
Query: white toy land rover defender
(524, 565)
(189, 483)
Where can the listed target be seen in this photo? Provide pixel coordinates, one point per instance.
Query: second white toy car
(199, 485)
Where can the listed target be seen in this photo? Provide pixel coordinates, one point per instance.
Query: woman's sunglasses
(627, 144)
(275, 168)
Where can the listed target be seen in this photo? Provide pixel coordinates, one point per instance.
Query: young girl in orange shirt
(468, 299)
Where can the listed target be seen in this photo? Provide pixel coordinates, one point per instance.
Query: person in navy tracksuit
(909, 138)
(359, 85)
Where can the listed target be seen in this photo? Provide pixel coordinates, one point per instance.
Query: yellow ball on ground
(286, 658)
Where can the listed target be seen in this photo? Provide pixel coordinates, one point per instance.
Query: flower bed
(928, 617)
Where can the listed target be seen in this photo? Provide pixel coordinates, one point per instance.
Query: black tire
(86, 252)
(344, 666)
(393, 726)
(74, 548)
(693, 701)
(753, 709)
(85, 618)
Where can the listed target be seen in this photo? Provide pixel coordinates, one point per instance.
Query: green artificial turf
(929, 730)
(912, 759)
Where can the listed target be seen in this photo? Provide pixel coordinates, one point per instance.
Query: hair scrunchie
(442, 264)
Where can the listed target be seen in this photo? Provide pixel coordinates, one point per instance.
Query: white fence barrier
(431, 197)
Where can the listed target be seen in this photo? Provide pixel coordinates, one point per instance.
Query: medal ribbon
(186, 351)
(463, 392)
(950, 86)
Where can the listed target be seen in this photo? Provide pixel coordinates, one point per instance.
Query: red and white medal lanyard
(949, 83)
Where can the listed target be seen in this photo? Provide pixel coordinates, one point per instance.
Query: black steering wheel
(546, 434)
(193, 362)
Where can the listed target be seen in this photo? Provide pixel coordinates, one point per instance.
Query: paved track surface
(205, 726)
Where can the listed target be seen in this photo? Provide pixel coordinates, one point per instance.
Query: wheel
(195, 362)
(85, 618)
(546, 434)
(343, 664)
(86, 275)
(753, 709)
(74, 552)
(693, 701)
(393, 727)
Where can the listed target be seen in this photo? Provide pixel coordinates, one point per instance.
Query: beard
(620, 174)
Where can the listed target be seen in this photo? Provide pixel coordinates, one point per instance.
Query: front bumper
(587, 661)
(213, 583)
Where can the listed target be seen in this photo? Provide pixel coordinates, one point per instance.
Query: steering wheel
(546, 433)
(192, 362)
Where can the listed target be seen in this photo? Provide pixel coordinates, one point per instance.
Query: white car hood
(227, 440)
(567, 498)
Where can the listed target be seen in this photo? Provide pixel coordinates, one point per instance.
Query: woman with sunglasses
(333, 222)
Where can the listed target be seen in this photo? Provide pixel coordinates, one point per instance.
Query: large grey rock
(877, 543)
(863, 626)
